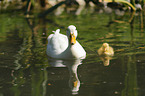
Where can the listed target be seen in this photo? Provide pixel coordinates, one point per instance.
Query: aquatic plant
(123, 1)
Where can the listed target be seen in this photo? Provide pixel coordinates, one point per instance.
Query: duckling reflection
(72, 65)
(106, 60)
(106, 52)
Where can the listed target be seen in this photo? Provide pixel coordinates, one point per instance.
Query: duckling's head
(72, 34)
(105, 45)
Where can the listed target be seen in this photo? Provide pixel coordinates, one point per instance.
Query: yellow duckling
(106, 50)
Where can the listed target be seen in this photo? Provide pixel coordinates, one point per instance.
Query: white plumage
(65, 47)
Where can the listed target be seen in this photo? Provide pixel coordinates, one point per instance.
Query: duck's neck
(74, 50)
(71, 51)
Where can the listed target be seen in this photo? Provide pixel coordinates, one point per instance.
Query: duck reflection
(72, 65)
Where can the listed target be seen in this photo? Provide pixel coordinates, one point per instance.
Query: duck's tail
(57, 31)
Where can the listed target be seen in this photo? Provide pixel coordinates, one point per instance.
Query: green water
(25, 69)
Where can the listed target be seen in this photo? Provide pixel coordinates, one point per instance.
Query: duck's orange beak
(72, 39)
(75, 83)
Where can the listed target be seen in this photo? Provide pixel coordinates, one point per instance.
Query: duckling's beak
(105, 49)
(72, 39)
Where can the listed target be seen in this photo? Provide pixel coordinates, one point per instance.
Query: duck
(106, 50)
(62, 46)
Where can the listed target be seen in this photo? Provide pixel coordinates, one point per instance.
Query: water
(25, 69)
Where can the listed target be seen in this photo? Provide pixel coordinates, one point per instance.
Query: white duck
(65, 47)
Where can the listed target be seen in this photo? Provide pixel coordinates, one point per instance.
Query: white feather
(59, 47)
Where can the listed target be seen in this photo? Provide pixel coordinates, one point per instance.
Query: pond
(25, 69)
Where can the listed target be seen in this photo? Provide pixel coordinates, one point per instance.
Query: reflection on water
(26, 71)
(72, 65)
(106, 60)
(131, 86)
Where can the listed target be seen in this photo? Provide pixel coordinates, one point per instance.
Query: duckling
(106, 50)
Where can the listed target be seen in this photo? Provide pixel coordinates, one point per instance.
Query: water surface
(25, 69)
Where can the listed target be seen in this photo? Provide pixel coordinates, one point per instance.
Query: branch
(51, 9)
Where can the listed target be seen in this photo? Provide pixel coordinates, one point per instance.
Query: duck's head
(72, 34)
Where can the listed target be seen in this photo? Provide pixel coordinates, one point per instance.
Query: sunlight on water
(27, 71)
